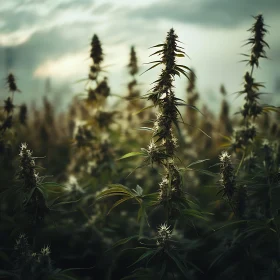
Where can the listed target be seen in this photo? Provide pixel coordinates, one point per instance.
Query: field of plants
(156, 187)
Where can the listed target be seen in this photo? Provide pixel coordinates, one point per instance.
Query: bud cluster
(164, 235)
(27, 171)
(227, 180)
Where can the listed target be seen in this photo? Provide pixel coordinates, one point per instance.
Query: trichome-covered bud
(154, 153)
(27, 172)
(164, 192)
(227, 176)
(164, 234)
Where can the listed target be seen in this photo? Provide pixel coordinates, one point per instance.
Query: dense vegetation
(156, 187)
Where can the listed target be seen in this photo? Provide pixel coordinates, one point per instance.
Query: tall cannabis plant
(251, 108)
(162, 154)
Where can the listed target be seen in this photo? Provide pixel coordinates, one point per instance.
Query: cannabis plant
(163, 255)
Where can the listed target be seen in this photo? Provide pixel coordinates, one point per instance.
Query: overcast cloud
(50, 39)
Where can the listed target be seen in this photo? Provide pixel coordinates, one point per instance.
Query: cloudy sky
(49, 39)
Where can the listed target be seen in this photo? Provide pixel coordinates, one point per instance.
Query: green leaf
(216, 260)
(197, 162)
(151, 67)
(182, 71)
(231, 224)
(156, 61)
(123, 241)
(139, 190)
(206, 172)
(148, 107)
(179, 264)
(159, 45)
(65, 203)
(180, 55)
(146, 128)
(271, 109)
(195, 214)
(180, 65)
(30, 195)
(118, 203)
(159, 51)
(144, 256)
(141, 212)
(131, 154)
